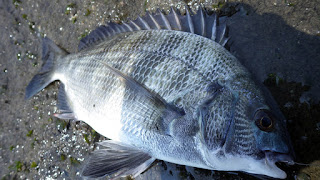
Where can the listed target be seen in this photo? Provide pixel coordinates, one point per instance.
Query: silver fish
(164, 87)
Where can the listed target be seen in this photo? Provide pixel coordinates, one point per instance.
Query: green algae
(85, 136)
(218, 5)
(61, 124)
(29, 134)
(36, 107)
(74, 161)
(32, 26)
(24, 16)
(19, 56)
(17, 166)
(84, 34)
(87, 13)
(74, 19)
(69, 8)
(63, 157)
(16, 3)
(33, 165)
(34, 142)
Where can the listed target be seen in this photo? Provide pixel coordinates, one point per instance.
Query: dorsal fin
(201, 23)
(189, 22)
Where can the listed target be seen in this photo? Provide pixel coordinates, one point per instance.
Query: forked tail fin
(50, 53)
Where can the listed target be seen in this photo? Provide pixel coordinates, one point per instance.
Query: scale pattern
(180, 67)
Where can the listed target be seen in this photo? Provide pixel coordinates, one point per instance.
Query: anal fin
(116, 160)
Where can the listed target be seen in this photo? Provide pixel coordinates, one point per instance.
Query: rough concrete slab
(275, 37)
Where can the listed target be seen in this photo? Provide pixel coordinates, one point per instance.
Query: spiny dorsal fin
(153, 20)
(214, 30)
(164, 20)
(173, 17)
(201, 23)
(144, 23)
(189, 21)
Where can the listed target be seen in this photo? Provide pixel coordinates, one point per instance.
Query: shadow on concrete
(267, 44)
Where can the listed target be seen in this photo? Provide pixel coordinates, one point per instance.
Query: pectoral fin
(159, 114)
(139, 88)
(116, 160)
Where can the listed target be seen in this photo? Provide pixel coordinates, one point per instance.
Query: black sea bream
(164, 87)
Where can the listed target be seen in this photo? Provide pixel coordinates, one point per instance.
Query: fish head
(254, 135)
(265, 139)
(272, 140)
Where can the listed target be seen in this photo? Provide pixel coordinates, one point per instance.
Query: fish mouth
(274, 157)
(270, 163)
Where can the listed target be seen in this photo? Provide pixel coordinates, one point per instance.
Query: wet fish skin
(172, 95)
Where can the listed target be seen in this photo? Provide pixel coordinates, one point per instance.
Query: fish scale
(124, 51)
(241, 140)
(215, 130)
(179, 51)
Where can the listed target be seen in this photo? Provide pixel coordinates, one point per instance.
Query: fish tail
(51, 53)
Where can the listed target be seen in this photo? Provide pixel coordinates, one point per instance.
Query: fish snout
(279, 157)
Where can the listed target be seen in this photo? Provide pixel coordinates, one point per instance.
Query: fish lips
(279, 157)
(270, 161)
(266, 165)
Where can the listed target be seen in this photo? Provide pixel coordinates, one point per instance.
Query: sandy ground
(277, 40)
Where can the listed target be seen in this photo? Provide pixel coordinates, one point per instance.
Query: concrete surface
(275, 39)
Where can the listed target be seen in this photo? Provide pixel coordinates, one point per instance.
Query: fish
(164, 87)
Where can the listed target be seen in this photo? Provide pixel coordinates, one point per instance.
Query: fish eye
(264, 120)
